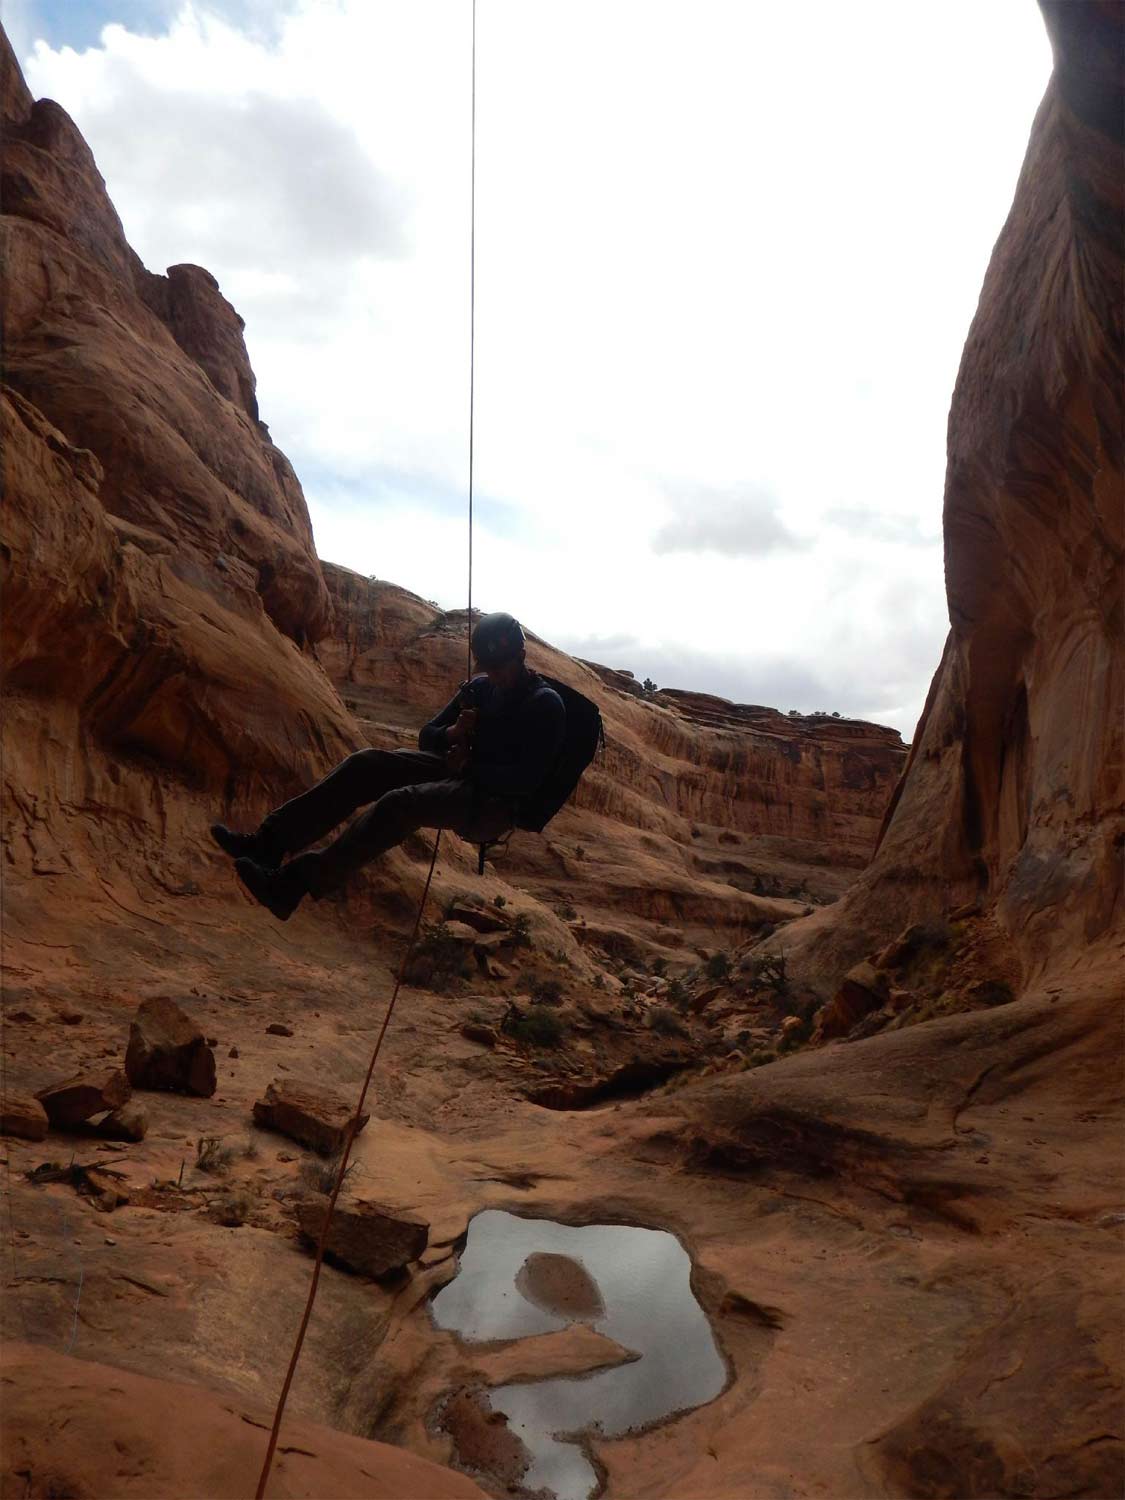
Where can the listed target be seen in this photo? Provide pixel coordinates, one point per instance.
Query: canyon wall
(1012, 800)
(173, 646)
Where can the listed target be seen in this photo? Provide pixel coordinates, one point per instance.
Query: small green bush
(664, 1020)
(539, 1027)
(718, 966)
(547, 992)
(212, 1156)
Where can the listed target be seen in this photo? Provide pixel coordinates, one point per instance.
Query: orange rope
(353, 1126)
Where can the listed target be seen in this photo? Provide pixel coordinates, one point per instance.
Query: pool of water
(632, 1285)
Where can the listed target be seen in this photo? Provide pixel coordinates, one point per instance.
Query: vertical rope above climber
(472, 331)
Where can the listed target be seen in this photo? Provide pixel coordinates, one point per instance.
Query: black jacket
(518, 735)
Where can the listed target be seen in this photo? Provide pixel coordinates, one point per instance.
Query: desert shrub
(232, 1208)
(547, 992)
(664, 1020)
(320, 1173)
(521, 930)
(567, 912)
(437, 959)
(678, 994)
(717, 966)
(539, 1027)
(768, 969)
(660, 966)
(500, 902)
(212, 1156)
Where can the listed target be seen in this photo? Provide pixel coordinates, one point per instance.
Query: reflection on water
(643, 1277)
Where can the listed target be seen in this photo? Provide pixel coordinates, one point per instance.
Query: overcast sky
(727, 255)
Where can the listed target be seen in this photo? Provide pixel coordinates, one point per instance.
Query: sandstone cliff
(1013, 798)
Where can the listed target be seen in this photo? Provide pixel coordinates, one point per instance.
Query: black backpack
(584, 733)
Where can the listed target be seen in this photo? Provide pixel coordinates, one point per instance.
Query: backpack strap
(483, 849)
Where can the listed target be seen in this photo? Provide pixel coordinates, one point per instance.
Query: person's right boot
(279, 891)
(256, 846)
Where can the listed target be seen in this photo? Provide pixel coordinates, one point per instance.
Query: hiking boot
(245, 846)
(279, 891)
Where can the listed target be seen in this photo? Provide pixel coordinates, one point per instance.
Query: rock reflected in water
(521, 1277)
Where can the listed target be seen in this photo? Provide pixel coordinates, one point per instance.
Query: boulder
(278, 1028)
(863, 989)
(480, 918)
(307, 1114)
(128, 1123)
(75, 1099)
(168, 1051)
(368, 1237)
(477, 1031)
(23, 1116)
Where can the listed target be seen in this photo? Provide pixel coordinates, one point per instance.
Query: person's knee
(401, 809)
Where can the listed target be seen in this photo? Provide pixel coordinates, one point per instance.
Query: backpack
(584, 733)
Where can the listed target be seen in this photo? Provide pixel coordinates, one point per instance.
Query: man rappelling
(483, 766)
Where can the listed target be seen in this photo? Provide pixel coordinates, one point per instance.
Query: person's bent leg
(362, 778)
(396, 815)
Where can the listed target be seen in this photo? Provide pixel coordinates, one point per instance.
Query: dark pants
(409, 790)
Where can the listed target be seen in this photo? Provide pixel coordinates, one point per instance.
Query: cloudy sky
(727, 254)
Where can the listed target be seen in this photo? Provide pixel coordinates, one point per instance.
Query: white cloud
(727, 257)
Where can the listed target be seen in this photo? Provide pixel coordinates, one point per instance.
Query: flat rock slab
(478, 917)
(168, 1051)
(23, 1116)
(75, 1099)
(368, 1237)
(307, 1114)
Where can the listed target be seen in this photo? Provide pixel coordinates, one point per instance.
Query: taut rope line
(352, 1127)
(353, 1124)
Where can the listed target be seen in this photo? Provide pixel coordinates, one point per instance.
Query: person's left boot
(256, 846)
(279, 891)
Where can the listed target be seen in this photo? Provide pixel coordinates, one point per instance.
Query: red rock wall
(672, 761)
(1013, 795)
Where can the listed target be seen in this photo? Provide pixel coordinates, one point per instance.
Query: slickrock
(74, 1100)
(114, 1432)
(167, 1050)
(307, 1114)
(371, 1238)
(23, 1116)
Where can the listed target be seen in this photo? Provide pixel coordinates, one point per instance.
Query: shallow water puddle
(521, 1277)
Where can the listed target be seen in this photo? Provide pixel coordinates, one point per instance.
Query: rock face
(76, 1427)
(1013, 793)
(167, 1050)
(369, 1237)
(699, 808)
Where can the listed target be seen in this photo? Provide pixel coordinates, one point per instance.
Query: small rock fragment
(75, 1099)
(233, 1052)
(167, 1050)
(277, 1028)
(128, 1123)
(23, 1116)
(476, 1031)
(307, 1114)
(368, 1237)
